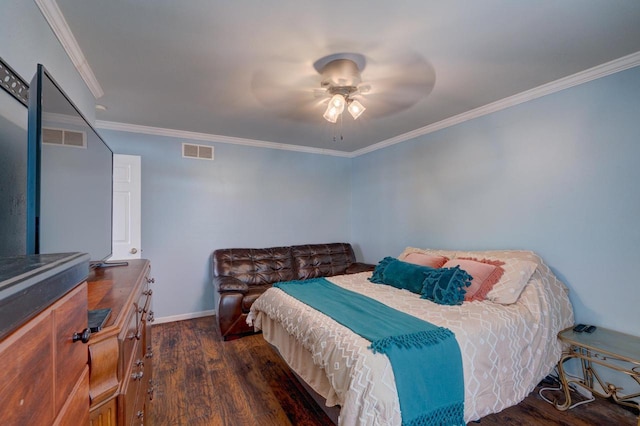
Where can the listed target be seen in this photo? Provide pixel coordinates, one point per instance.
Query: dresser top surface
(114, 287)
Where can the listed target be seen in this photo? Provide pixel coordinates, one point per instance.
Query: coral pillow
(425, 259)
(485, 274)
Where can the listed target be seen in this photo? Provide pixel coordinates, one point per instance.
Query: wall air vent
(201, 152)
(64, 137)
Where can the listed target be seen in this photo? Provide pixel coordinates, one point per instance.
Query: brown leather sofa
(241, 275)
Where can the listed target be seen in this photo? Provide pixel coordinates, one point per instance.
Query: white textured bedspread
(506, 349)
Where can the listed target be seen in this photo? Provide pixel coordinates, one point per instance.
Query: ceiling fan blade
(320, 93)
(364, 88)
(291, 91)
(396, 83)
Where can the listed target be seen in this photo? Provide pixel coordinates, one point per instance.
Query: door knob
(133, 250)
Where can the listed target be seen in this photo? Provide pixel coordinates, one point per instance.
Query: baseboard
(182, 317)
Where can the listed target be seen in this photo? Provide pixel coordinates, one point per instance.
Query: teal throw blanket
(425, 358)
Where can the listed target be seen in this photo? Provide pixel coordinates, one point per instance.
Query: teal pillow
(398, 274)
(446, 286)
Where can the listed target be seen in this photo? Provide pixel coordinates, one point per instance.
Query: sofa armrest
(225, 283)
(357, 267)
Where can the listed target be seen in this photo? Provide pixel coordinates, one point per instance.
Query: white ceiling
(192, 65)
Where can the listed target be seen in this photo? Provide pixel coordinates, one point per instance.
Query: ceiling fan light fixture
(337, 101)
(355, 109)
(331, 114)
(335, 108)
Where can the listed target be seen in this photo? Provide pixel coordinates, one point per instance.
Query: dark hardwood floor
(201, 380)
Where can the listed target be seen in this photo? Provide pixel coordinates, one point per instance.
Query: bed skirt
(300, 361)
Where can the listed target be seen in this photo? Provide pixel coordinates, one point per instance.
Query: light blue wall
(246, 197)
(558, 175)
(28, 40)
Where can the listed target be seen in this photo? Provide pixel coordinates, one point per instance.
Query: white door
(126, 207)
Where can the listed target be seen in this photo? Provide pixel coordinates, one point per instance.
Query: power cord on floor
(551, 379)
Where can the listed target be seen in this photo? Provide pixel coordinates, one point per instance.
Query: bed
(508, 340)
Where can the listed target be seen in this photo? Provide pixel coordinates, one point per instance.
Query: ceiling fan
(382, 84)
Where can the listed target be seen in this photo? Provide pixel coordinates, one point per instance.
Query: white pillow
(517, 273)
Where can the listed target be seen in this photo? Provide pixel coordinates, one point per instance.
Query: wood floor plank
(257, 391)
(201, 398)
(288, 391)
(231, 405)
(166, 408)
(202, 380)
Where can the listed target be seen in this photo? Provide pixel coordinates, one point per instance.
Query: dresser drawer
(75, 411)
(133, 389)
(144, 301)
(129, 337)
(71, 357)
(26, 376)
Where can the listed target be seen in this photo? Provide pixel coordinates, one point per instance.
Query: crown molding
(54, 17)
(599, 71)
(603, 70)
(183, 134)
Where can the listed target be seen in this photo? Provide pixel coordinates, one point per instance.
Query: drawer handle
(151, 280)
(148, 292)
(150, 317)
(139, 363)
(137, 376)
(83, 336)
(136, 336)
(140, 414)
(149, 353)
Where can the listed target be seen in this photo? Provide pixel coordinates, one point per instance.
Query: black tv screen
(13, 176)
(69, 174)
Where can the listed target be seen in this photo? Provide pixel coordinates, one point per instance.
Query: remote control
(579, 328)
(590, 329)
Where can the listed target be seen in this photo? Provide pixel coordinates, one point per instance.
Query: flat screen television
(69, 176)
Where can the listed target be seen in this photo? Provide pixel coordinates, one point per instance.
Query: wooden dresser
(44, 379)
(120, 355)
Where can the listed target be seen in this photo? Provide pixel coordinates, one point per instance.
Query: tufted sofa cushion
(255, 266)
(322, 260)
(241, 275)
